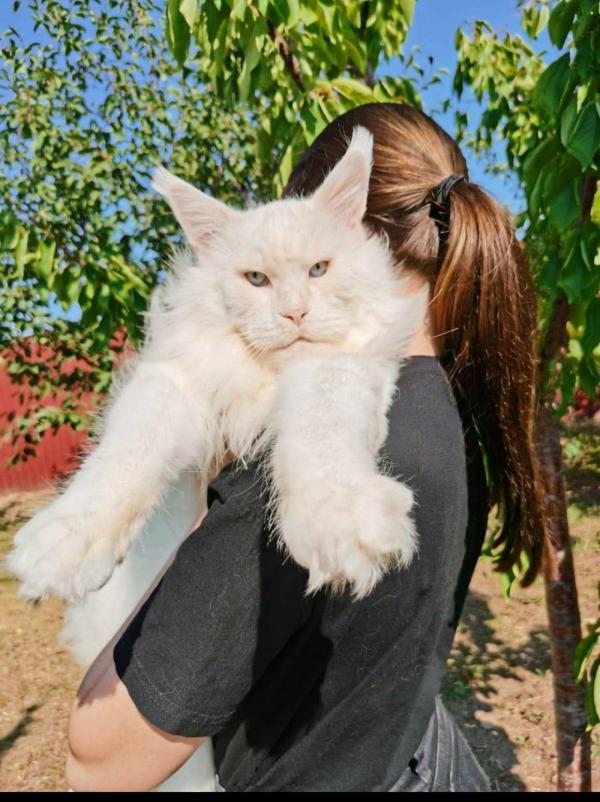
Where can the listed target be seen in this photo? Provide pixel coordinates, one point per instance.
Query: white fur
(305, 364)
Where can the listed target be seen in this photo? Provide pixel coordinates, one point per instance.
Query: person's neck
(422, 342)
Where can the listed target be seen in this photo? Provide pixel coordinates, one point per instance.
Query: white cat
(285, 328)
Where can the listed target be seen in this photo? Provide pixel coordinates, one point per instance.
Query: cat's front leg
(335, 513)
(154, 429)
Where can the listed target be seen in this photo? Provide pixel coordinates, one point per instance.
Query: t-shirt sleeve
(224, 609)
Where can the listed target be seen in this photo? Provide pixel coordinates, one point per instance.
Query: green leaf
(583, 652)
(567, 121)
(252, 57)
(560, 21)
(595, 211)
(552, 84)
(537, 158)
(8, 233)
(584, 140)
(595, 682)
(535, 19)
(506, 583)
(21, 255)
(550, 271)
(574, 275)
(563, 208)
(72, 290)
(353, 90)
(178, 32)
(286, 165)
(590, 708)
(408, 10)
(572, 284)
(188, 9)
(288, 12)
(589, 376)
(587, 18)
(46, 261)
(238, 9)
(534, 197)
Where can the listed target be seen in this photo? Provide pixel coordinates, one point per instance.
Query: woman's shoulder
(419, 373)
(424, 425)
(423, 382)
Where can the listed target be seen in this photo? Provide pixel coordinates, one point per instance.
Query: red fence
(55, 456)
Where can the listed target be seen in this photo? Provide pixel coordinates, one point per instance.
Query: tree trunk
(572, 740)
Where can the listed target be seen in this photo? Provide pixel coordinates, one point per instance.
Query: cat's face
(292, 271)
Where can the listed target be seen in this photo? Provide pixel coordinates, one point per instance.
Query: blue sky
(433, 28)
(435, 23)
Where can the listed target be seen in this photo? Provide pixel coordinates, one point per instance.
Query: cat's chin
(298, 348)
(300, 345)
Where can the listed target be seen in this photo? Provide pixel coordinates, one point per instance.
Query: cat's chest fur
(191, 336)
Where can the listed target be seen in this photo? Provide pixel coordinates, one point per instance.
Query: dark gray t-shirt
(321, 692)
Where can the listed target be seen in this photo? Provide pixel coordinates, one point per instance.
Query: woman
(323, 693)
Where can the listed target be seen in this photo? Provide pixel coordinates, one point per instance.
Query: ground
(499, 683)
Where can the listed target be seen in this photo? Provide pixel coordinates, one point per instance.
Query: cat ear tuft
(345, 190)
(199, 215)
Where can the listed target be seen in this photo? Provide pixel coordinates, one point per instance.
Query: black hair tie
(439, 210)
(439, 199)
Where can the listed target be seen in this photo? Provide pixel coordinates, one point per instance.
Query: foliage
(582, 457)
(86, 111)
(587, 668)
(548, 118)
(296, 64)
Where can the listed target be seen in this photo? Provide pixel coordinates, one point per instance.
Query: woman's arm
(111, 745)
(194, 650)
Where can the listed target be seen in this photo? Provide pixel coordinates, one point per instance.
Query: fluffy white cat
(284, 328)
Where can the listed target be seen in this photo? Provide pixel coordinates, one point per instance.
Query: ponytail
(484, 313)
(483, 310)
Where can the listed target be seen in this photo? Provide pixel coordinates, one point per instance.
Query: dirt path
(38, 680)
(499, 684)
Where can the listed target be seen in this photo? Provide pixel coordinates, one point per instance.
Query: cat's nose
(296, 316)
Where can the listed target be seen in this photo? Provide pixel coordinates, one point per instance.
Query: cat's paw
(351, 535)
(60, 554)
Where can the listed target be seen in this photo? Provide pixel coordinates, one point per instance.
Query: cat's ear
(346, 188)
(199, 215)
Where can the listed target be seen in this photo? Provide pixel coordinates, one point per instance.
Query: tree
(270, 74)
(86, 112)
(548, 118)
(296, 64)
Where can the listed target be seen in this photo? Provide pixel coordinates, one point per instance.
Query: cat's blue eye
(319, 269)
(256, 279)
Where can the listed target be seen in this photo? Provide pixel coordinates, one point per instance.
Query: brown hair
(483, 309)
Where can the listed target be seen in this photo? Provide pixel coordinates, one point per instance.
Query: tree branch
(290, 60)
